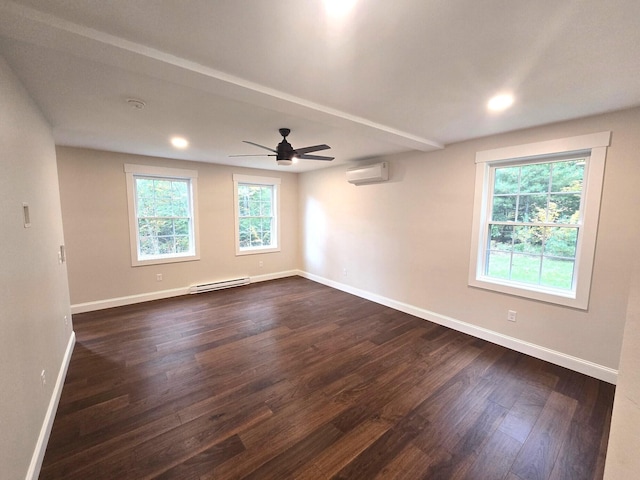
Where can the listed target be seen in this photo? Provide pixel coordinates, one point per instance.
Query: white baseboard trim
(176, 292)
(128, 300)
(552, 356)
(274, 276)
(41, 446)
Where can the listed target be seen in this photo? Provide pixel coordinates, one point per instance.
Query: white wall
(408, 240)
(34, 296)
(96, 223)
(623, 460)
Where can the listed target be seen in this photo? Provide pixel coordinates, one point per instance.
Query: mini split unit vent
(208, 287)
(368, 174)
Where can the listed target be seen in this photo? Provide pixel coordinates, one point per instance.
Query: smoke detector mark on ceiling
(136, 104)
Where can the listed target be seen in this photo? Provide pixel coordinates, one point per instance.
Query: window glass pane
(568, 176)
(557, 273)
(146, 207)
(254, 231)
(146, 227)
(504, 208)
(243, 206)
(254, 208)
(165, 245)
(255, 211)
(532, 208)
(506, 180)
(561, 242)
(536, 194)
(182, 244)
(265, 209)
(564, 208)
(165, 227)
(266, 194)
(163, 212)
(164, 207)
(498, 264)
(180, 190)
(501, 237)
(528, 239)
(525, 268)
(535, 178)
(145, 187)
(181, 226)
(266, 231)
(245, 235)
(162, 189)
(147, 246)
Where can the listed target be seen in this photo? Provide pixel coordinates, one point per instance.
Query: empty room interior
(322, 239)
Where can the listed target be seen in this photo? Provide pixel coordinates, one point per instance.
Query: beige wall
(34, 296)
(623, 460)
(409, 239)
(95, 217)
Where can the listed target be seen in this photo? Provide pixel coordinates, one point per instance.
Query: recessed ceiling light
(179, 142)
(339, 8)
(500, 102)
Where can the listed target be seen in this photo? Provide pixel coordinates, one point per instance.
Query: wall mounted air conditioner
(368, 174)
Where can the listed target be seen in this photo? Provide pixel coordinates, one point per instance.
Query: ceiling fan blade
(315, 148)
(261, 146)
(261, 155)
(315, 157)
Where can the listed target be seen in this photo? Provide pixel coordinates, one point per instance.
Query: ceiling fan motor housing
(285, 151)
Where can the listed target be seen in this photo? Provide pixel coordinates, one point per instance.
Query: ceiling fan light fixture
(284, 162)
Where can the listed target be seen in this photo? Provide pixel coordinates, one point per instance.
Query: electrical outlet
(43, 378)
(260, 264)
(66, 321)
(345, 272)
(158, 277)
(511, 315)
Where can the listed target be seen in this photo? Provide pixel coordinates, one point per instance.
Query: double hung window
(535, 218)
(162, 214)
(256, 213)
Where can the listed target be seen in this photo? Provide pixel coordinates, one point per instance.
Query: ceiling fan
(285, 153)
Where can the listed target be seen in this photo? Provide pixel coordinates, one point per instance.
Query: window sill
(533, 292)
(253, 251)
(162, 260)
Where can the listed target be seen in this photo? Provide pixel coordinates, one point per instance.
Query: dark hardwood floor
(292, 379)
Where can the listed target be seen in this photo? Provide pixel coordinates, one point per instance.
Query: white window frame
(595, 145)
(133, 171)
(264, 181)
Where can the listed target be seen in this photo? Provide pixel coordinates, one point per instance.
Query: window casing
(535, 218)
(162, 214)
(257, 208)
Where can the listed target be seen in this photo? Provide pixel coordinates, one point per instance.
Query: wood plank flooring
(292, 379)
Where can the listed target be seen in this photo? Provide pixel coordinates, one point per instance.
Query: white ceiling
(388, 77)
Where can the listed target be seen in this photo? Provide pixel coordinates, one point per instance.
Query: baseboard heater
(209, 287)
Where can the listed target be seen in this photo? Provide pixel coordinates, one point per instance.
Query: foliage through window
(535, 223)
(162, 211)
(256, 202)
(255, 207)
(536, 217)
